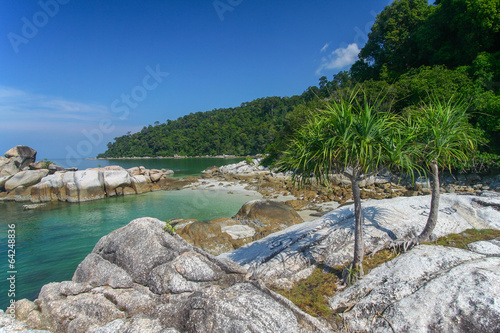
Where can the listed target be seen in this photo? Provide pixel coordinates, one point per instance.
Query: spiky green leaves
(444, 133)
(352, 136)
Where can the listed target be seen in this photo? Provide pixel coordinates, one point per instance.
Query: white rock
(34, 206)
(282, 257)
(4, 179)
(72, 192)
(116, 178)
(25, 178)
(155, 177)
(135, 171)
(491, 248)
(239, 231)
(55, 180)
(113, 168)
(140, 184)
(430, 288)
(167, 171)
(68, 177)
(88, 178)
(3, 161)
(90, 185)
(243, 168)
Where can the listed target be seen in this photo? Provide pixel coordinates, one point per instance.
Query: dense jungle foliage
(414, 50)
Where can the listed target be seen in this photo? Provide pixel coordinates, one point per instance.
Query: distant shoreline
(171, 157)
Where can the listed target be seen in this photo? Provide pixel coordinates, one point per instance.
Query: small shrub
(169, 228)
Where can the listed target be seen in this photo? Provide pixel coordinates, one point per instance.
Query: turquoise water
(52, 241)
(183, 167)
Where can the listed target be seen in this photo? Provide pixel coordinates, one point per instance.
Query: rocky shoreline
(273, 185)
(141, 278)
(21, 180)
(218, 236)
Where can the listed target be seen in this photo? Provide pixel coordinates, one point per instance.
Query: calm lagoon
(53, 240)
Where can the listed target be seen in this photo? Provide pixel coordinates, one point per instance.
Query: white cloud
(16, 104)
(340, 58)
(323, 49)
(53, 124)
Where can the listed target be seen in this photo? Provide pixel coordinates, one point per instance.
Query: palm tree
(445, 139)
(353, 137)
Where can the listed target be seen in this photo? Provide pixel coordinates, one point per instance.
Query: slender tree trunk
(359, 246)
(433, 214)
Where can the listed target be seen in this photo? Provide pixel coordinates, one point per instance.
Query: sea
(51, 241)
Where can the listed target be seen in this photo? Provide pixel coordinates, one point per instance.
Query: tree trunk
(433, 214)
(359, 246)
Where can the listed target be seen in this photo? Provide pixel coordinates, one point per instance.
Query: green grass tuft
(311, 294)
(468, 236)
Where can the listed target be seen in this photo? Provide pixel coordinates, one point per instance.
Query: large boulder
(254, 220)
(51, 188)
(10, 168)
(23, 155)
(10, 325)
(21, 151)
(241, 168)
(22, 193)
(3, 180)
(428, 289)
(207, 236)
(3, 161)
(140, 184)
(217, 236)
(114, 179)
(90, 185)
(140, 278)
(239, 231)
(38, 165)
(267, 215)
(292, 254)
(25, 178)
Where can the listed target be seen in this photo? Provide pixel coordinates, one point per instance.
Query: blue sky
(75, 74)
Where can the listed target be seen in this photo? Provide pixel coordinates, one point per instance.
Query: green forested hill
(414, 50)
(244, 130)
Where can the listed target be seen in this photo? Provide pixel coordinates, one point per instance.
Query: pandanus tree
(354, 136)
(445, 139)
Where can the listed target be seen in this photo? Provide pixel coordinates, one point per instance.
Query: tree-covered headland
(415, 52)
